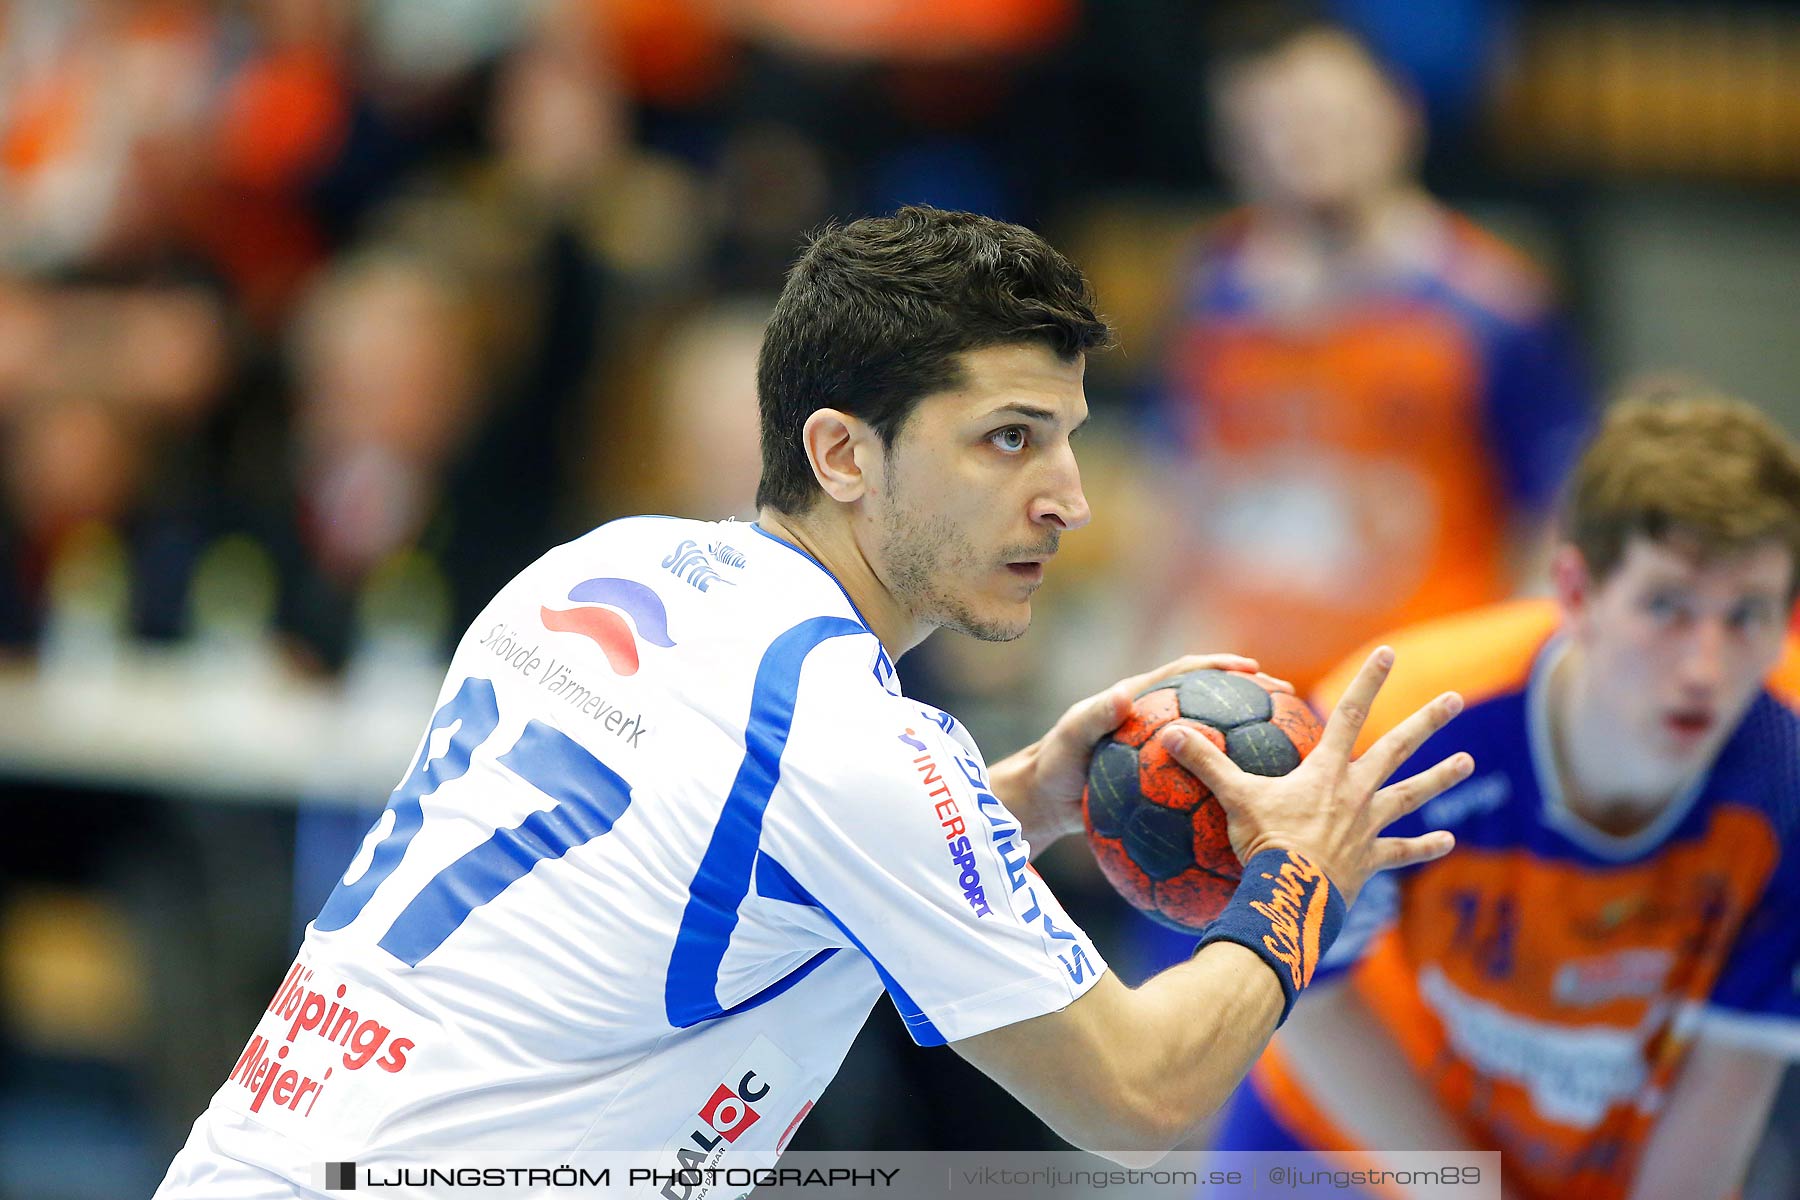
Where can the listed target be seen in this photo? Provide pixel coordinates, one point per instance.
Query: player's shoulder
(1778, 704)
(727, 565)
(1784, 684)
(853, 716)
(1224, 233)
(1212, 258)
(855, 747)
(1482, 653)
(1761, 759)
(1490, 274)
(629, 547)
(677, 543)
(684, 606)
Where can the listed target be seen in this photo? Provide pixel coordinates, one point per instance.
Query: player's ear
(837, 447)
(1572, 583)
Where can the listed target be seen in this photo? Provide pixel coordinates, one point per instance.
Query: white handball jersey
(670, 834)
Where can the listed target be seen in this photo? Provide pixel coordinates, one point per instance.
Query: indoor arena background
(320, 318)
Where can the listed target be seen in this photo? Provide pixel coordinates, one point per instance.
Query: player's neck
(1301, 258)
(1603, 781)
(835, 547)
(1394, 224)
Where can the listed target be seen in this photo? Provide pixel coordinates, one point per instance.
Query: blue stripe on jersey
(794, 894)
(884, 666)
(690, 994)
(776, 882)
(590, 797)
(784, 983)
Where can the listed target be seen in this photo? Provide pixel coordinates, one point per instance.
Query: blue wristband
(1287, 912)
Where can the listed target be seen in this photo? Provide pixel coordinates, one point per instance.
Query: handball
(1157, 832)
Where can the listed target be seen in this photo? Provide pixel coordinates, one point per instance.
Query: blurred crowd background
(320, 318)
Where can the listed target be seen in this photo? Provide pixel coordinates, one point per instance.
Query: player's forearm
(1356, 1073)
(1197, 1028)
(1709, 1128)
(1138, 1070)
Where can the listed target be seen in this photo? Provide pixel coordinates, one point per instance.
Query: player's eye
(1666, 606)
(1751, 614)
(1012, 439)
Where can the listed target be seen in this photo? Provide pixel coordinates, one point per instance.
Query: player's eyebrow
(1035, 413)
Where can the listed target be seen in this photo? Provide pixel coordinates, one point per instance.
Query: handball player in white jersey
(674, 828)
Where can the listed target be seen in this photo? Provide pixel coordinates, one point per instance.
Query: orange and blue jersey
(1546, 979)
(1358, 467)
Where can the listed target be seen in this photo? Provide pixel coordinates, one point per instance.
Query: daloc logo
(728, 1111)
(600, 621)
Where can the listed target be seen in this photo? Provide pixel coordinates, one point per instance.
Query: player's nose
(1703, 667)
(1062, 504)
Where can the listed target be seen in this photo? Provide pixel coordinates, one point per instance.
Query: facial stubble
(924, 560)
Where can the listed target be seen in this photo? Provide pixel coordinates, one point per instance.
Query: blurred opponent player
(1373, 398)
(674, 828)
(1601, 982)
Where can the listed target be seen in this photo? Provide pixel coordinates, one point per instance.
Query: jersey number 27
(589, 797)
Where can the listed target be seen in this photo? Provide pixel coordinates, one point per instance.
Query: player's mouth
(1689, 724)
(1028, 568)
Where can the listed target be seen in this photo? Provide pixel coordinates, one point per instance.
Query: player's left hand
(1042, 783)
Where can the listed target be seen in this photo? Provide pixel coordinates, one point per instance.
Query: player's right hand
(1332, 808)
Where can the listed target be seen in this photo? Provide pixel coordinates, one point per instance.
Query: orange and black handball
(1158, 833)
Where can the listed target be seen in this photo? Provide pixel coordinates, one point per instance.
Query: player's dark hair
(1676, 459)
(875, 313)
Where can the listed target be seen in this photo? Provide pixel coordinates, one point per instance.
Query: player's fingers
(1346, 720)
(1186, 663)
(1396, 800)
(1087, 721)
(1279, 685)
(1409, 852)
(1201, 756)
(1398, 744)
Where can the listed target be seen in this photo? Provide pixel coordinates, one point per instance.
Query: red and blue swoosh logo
(605, 603)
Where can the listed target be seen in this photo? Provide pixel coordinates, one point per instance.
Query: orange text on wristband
(1299, 896)
(1287, 912)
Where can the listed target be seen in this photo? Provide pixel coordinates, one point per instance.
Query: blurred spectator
(429, 418)
(709, 456)
(562, 162)
(387, 391)
(924, 29)
(771, 181)
(104, 391)
(284, 121)
(101, 392)
(1374, 399)
(675, 53)
(101, 104)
